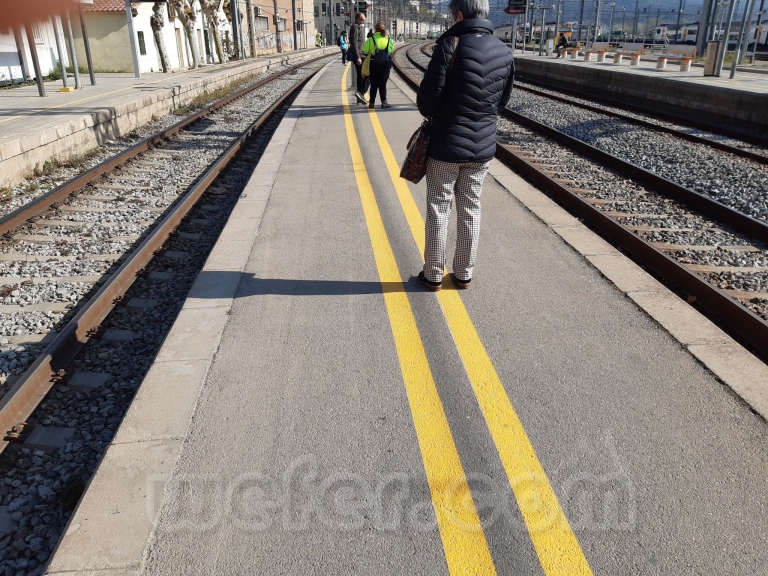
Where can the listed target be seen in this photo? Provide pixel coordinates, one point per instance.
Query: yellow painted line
(556, 545)
(464, 544)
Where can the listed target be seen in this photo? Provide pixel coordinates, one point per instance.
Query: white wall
(45, 42)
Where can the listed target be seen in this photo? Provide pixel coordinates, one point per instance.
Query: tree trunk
(210, 9)
(188, 23)
(157, 21)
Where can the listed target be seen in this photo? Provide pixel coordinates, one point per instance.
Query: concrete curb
(730, 362)
(73, 137)
(116, 518)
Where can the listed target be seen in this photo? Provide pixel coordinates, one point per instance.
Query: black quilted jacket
(464, 100)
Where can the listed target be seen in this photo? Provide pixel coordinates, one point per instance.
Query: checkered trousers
(444, 181)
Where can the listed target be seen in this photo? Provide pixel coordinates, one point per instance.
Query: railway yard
(215, 357)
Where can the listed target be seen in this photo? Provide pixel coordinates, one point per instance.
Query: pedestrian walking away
(342, 42)
(562, 44)
(356, 41)
(379, 46)
(468, 81)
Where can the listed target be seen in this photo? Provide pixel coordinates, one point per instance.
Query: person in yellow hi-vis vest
(379, 50)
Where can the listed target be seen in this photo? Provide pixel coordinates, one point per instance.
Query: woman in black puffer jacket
(467, 83)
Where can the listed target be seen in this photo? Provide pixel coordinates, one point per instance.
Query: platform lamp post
(744, 20)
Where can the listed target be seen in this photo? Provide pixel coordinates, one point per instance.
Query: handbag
(415, 163)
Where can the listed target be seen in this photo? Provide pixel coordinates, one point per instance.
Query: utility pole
(679, 15)
(597, 21)
(610, 25)
(293, 18)
(757, 28)
(637, 17)
(557, 19)
(744, 20)
(721, 60)
(581, 19)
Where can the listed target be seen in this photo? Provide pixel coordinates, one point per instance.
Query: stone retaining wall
(70, 138)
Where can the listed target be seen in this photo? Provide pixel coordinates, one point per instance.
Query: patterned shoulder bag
(415, 164)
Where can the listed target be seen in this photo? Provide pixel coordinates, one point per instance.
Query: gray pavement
(302, 455)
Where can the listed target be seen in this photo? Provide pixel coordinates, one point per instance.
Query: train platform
(315, 411)
(738, 106)
(63, 125)
(745, 81)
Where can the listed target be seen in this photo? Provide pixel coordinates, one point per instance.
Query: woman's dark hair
(381, 29)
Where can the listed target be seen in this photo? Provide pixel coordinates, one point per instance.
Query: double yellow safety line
(464, 543)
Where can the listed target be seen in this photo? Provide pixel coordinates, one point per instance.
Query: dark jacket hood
(473, 25)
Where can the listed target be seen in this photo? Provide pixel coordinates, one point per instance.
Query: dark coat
(356, 40)
(464, 101)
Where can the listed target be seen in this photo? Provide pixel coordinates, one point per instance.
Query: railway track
(69, 255)
(738, 148)
(706, 251)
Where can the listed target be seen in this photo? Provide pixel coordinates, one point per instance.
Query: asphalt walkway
(538, 423)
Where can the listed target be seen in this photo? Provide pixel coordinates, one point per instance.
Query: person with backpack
(379, 50)
(467, 83)
(342, 42)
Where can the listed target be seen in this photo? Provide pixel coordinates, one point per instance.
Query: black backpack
(382, 56)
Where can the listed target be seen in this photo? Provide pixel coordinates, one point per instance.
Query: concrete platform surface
(63, 125)
(748, 81)
(302, 437)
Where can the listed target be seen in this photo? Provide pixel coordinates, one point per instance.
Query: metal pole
(293, 16)
(637, 17)
(597, 22)
(704, 26)
(64, 80)
(745, 36)
(541, 34)
(721, 60)
(557, 20)
(744, 20)
(679, 36)
(35, 61)
(610, 25)
(132, 34)
(581, 19)
(20, 51)
(72, 55)
(525, 25)
(757, 28)
(87, 45)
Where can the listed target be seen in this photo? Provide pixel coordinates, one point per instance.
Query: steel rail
(733, 219)
(742, 324)
(35, 382)
(694, 138)
(34, 208)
